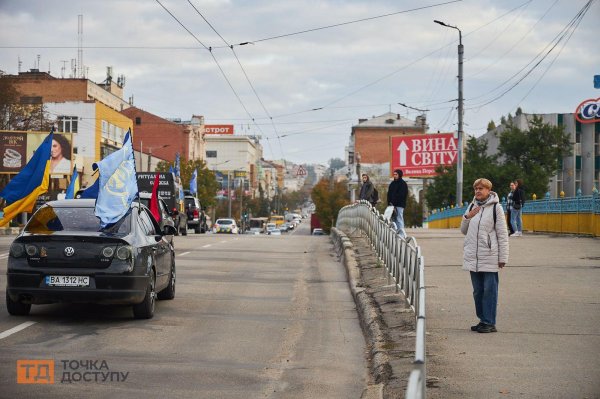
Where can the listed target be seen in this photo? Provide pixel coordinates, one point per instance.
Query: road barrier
(403, 262)
(572, 215)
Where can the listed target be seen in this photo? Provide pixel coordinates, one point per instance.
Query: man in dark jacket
(366, 190)
(396, 196)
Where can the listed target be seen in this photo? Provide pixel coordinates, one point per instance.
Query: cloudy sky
(303, 92)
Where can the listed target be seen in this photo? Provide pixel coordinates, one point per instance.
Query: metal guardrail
(403, 262)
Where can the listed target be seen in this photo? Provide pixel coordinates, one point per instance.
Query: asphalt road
(253, 317)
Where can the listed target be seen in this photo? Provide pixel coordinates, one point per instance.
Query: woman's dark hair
(519, 182)
(65, 146)
(399, 171)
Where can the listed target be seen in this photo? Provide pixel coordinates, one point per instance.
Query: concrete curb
(368, 315)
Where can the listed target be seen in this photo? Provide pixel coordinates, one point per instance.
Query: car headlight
(124, 252)
(31, 250)
(108, 252)
(17, 250)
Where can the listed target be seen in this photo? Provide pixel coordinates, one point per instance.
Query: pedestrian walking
(396, 196)
(367, 190)
(509, 204)
(485, 251)
(518, 199)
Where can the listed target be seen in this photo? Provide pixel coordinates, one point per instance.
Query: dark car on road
(196, 218)
(62, 255)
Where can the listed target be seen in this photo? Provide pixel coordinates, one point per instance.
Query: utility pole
(459, 164)
(229, 193)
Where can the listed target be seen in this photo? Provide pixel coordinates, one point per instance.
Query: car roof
(74, 203)
(232, 220)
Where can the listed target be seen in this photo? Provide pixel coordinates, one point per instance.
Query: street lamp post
(459, 166)
(150, 154)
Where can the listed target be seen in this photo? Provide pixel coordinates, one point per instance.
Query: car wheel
(17, 308)
(169, 292)
(197, 229)
(145, 310)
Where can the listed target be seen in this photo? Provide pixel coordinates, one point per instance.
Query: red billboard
(218, 129)
(588, 111)
(418, 156)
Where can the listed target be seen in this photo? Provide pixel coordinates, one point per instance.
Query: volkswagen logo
(69, 251)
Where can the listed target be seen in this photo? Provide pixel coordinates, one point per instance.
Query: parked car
(62, 255)
(274, 232)
(318, 232)
(168, 190)
(165, 215)
(196, 218)
(225, 226)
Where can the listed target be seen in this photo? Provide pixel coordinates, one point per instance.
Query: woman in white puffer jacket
(485, 251)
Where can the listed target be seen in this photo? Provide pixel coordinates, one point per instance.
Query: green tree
(491, 125)
(328, 201)
(336, 163)
(534, 155)
(207, 182)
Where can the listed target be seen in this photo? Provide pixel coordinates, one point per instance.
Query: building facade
(580, 171)
(368, 150)
(237, 154)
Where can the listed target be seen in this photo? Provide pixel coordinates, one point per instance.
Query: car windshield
(224, 221)
(190, 203)
(48, 220)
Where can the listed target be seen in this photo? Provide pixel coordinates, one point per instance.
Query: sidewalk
(548, 339)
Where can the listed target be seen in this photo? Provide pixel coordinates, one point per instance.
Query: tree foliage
(532, 156)
(336, 163)
(329, 201)
(207, 182)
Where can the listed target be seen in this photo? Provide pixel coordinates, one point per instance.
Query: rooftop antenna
(20, 63)
(63, 68)
(38, 62)
(73, 68)
(80, 70)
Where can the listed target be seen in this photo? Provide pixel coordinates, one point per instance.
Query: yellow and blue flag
(74, 185)
(22, 191)
(117, 184)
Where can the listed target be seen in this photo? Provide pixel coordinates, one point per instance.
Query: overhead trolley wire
(553, 43)
(245, 75)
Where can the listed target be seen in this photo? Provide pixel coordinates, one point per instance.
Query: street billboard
(218, 129)
(588, 111)
(419, 155)
(17, 148)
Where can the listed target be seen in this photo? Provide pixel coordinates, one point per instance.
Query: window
(105, 129)
(138, 120)
(211, 154)
(67, 124)
(146, 224)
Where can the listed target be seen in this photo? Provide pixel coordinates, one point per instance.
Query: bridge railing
(403, 263)
(571, 215)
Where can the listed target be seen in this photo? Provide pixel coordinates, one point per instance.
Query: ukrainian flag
(74, 185)
(22, 191)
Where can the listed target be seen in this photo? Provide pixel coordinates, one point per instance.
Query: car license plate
(68, 281)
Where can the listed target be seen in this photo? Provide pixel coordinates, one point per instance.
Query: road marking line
(206, 246)
(16, 329)
(184, 253)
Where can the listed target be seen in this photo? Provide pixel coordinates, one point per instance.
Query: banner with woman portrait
(16, 149)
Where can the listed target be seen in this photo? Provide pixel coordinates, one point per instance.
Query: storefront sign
(588, 111)
(218, 129)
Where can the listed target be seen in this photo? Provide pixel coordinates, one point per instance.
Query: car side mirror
(169, 230)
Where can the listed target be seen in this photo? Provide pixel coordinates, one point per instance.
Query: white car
(274, 232)
(225, 226)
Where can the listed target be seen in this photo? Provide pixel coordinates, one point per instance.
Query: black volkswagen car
(63, 255)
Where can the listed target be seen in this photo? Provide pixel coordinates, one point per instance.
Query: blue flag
(177, 165)
(91, 191)
(171, 170)
(117, 184)
(194, 182)
(73, 185)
